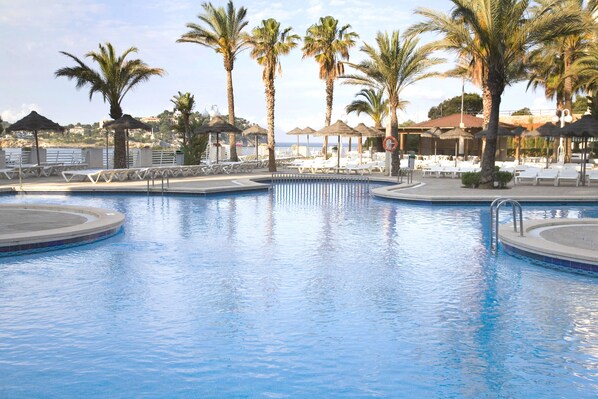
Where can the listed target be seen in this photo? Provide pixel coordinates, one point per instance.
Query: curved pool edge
(92, 224)
(554, 250)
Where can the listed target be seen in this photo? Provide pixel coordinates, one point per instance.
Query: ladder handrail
(494, 211)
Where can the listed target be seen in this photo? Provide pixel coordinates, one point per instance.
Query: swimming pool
(283, 294)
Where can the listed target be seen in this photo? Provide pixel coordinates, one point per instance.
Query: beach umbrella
(434, 134)
(34, 122)
(338, 128)
(217, 125)
(504, 132)
(255, 131)
(365, 131)
(296, 132)
(307, 131)
(548, 131)
(584, 128)
(125, 122)
(456, 134)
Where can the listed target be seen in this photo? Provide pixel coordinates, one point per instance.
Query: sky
(33, 32)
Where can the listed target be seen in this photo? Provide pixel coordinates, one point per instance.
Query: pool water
(298, 293)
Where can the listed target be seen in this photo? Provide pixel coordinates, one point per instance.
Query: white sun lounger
(591, 175)
(547, 174)
(567, 175)
(527, 174)
(94, 175)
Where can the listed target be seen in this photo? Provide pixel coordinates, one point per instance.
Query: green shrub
(471, 179)
(502, 178)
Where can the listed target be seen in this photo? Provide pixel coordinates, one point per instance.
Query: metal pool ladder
(494, 208)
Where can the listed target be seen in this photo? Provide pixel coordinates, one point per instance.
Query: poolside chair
(546, 174)
(591, 175)
(526, 174)
(567, 174)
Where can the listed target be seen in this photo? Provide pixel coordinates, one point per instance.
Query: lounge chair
(591, 175)
(527, 174)
(547, 174)
(567, 174)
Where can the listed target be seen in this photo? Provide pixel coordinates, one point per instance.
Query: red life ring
(390, 143)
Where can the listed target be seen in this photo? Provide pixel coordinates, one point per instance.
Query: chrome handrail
(494, 211)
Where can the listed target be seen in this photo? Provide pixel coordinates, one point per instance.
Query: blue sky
(32, 32)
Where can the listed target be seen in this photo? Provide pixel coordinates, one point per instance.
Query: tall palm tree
(393, 65)
(498, 33)
(585, 69)
(329, 44)
(372, 103)
(184, 103)
(113, 81)
(268, 42)
(552, 61)
(221, 30)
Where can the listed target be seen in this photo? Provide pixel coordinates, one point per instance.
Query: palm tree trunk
(394, 132)
(120, 149)
(231, 114)
(486, 105)
(489, 155)
(329, 99)
(270, 99)
(568, 97)
(120, 156)
(379, 140)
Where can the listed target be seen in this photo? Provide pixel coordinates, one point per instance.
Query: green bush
(502, 178)
(471, 179)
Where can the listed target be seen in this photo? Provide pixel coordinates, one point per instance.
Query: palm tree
(375, 106)
(497, 34)
(184, 103)
(585, 68)
(395, 64)
(113, 81)
(268, 42)
(551, 63)
(329, 45)
(221, 30)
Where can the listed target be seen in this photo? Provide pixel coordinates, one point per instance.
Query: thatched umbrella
(255, 131)
(365, 131)
(217, 125)
(338, 128)
(584, 128)
(434, 134)
(456, 134)
(34, 122)
(307, 131)
(296, 132)
(125, 122)
(548, 131)
(504, 132)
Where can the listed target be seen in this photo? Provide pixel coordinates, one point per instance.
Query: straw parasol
(217, 125)
(338, 128)
(548, 131)
(34, 122)
(307, 131)
(456, 134)
(256, 131)
(365, 131)
(434, 133)
(125, 122)
(585, 128)
(296, 132)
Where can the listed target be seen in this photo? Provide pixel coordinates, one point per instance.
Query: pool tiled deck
(422, 190)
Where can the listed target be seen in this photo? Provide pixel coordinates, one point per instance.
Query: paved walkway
(431, 190)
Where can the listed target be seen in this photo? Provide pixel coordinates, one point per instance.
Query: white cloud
(10, 115)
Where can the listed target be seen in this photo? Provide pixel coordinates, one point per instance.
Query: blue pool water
(300, 293)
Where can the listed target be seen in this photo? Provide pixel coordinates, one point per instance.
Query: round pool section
(300, 292)
(36, 228)
(571, 244)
